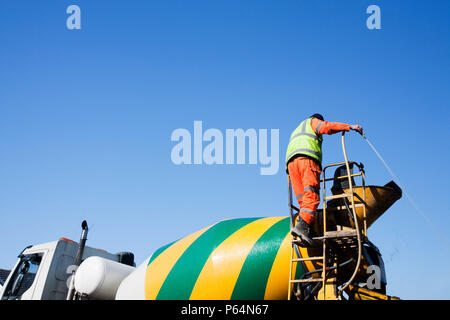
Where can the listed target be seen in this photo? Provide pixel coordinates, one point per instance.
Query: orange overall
(305, 172)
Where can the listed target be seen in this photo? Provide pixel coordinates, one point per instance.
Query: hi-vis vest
(305, 141)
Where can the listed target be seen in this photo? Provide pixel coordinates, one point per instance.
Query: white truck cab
(42, 271)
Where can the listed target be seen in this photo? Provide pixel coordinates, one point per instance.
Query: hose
(358, 233)
(329, 268)
(317, 286)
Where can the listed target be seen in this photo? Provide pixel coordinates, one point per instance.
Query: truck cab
(42, 271)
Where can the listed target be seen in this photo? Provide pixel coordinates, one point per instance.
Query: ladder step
(337, 196)
(307, 280)
(306, 259)
(339, 208)
(341, 233)
(338, 235)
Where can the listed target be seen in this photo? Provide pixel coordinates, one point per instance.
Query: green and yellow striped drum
(246, 258)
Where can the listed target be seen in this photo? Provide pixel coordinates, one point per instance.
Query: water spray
(397, 180)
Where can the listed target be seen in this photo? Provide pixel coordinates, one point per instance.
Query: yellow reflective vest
(305, 141)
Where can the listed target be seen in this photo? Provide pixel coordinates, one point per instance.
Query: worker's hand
(356, 127)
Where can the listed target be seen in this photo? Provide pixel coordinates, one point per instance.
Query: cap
(318, 116)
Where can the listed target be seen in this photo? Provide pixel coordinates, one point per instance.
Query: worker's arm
(325, 127)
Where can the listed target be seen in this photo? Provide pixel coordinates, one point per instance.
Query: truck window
(23, 277)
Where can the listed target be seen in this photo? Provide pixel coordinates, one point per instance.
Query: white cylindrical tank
(100, 278)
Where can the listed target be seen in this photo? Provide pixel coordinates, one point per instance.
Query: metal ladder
(338, 237)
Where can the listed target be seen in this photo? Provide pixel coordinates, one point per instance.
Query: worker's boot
(305, 232)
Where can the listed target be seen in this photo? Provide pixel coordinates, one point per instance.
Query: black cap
(318, 116)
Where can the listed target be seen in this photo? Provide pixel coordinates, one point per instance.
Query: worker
(304, 166)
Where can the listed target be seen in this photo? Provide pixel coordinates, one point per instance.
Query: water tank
(100, 278)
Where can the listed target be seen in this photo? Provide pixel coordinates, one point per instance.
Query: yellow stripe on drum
(217, 283)
(159, 268)
(278, 280)
(312, 265)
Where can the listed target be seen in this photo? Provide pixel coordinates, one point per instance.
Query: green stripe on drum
(181, 279)
(299, 272)
(159, 251)
(252, 280)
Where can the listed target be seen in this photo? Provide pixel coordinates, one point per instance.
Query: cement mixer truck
(250, 258)
(246, 258)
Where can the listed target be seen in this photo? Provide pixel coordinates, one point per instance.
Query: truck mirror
(24, 267)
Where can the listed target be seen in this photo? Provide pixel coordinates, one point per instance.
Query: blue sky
(86, 117)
